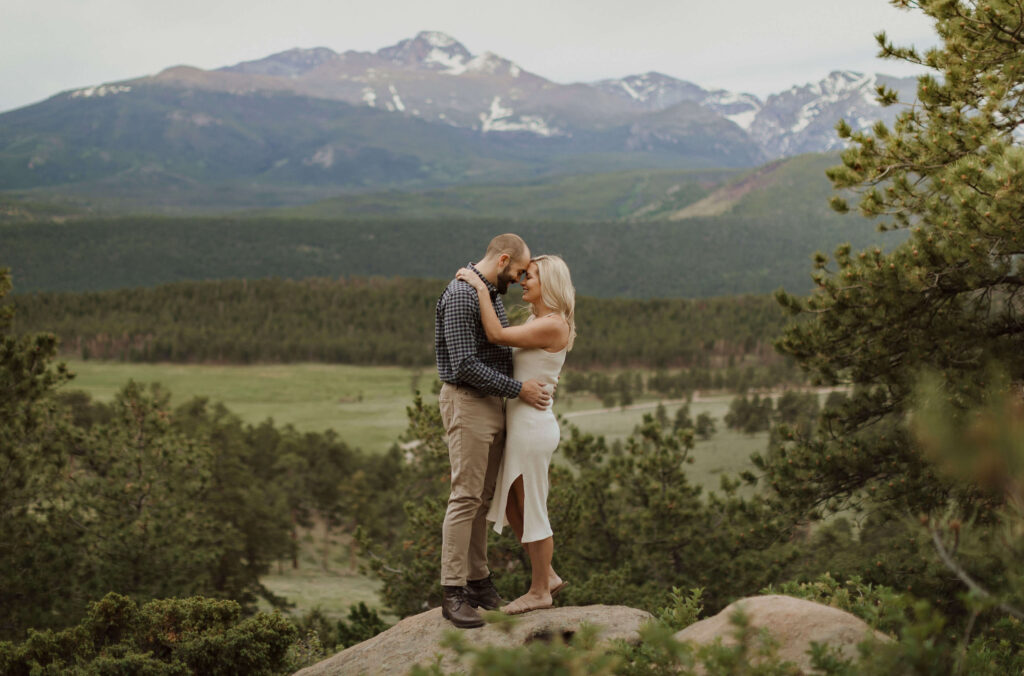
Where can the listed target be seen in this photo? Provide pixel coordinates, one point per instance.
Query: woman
(531, 435)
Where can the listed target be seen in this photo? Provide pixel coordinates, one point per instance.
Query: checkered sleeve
(461, 318)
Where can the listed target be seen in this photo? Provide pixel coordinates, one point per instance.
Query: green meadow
(365, 405)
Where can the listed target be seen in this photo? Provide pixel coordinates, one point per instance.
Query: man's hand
(536, 394)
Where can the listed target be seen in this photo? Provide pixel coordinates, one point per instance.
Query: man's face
(511, 273)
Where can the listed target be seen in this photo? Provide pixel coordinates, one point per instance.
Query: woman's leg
(514, 507)
(539, 594)
(543, 577)
(514, 516)
(540, 563)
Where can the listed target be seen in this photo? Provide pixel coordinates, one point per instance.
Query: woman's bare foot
(527, 602)
(555, 584)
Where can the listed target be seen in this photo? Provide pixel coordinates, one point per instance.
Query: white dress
(531, 436)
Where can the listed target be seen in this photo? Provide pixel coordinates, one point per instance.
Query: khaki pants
(475, 424)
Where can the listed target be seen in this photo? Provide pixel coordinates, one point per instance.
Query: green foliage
(378, 321)
(151, 501)
(708, 256)
(579, 197)
(881, 607)
(362, 623)
(753, 654)
(947, 299)
(924, 644)
(582, 656)
(749, 415)
(146, 503)
(165, 637)
(946, 302)
(683, 609)
(609, 509)
(32, 457)
(705, 426)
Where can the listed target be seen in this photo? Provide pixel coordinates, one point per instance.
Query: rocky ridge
(434, 77)
(417, 640)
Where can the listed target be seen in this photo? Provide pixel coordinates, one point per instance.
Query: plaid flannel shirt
(464, 355)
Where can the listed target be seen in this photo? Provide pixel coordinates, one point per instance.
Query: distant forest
(377, 321)
(735, 253)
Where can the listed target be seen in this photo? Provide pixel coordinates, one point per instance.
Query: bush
(169, 636)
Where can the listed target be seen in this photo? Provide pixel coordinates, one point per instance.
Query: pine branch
(956, 569)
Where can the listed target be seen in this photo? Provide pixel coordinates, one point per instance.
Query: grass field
(726, 452)
(366, 407)
(327, 577)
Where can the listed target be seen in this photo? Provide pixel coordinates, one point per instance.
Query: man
(477, 378)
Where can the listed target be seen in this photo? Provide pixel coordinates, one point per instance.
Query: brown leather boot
(455, 608)
(482, 594)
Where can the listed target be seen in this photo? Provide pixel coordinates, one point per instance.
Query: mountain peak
(437, 39)
(429, 49)
(288, 63)
(653, 90)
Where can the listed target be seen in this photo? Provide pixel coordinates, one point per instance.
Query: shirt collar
(490, 287)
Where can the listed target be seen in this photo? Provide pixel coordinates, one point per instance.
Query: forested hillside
(375, 321)
(626, 195)
(748, 234)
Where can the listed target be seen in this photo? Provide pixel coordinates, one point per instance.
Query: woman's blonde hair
(557, 290)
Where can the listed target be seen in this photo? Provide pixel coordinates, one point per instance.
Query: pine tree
(31, 462)
(950, 172)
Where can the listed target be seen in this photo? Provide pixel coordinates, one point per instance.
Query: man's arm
(461, 313)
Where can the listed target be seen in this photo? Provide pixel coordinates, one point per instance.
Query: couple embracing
(495, 402)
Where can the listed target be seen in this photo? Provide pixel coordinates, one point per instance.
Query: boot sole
(462, 624)
(484, 607)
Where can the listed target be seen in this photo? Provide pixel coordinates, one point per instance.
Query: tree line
(376, 321)
(734, 253)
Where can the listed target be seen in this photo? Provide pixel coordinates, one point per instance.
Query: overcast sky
(758, 46)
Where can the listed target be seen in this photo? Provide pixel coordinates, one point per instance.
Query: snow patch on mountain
(492, 64)
(198, 119)
(740, 109)
(499, 118)
(429, 49)
(651, 91)
(453, 64)
(827, 93)
(396, 100)
(369, 97)
(629, 90)
(743, 120)
(438, 39)
(323, 157)
(100, 91)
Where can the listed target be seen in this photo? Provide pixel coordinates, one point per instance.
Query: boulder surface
(793, 622)
(416, 639)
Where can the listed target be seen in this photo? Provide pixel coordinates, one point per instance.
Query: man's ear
(503, 261)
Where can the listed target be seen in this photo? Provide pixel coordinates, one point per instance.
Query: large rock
(793, 622)
(416, 639)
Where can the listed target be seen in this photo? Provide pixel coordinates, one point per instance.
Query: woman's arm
(543, 333)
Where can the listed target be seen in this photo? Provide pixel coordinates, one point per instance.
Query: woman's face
(531, 284)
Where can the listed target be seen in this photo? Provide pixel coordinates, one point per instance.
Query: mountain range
(307, 124)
